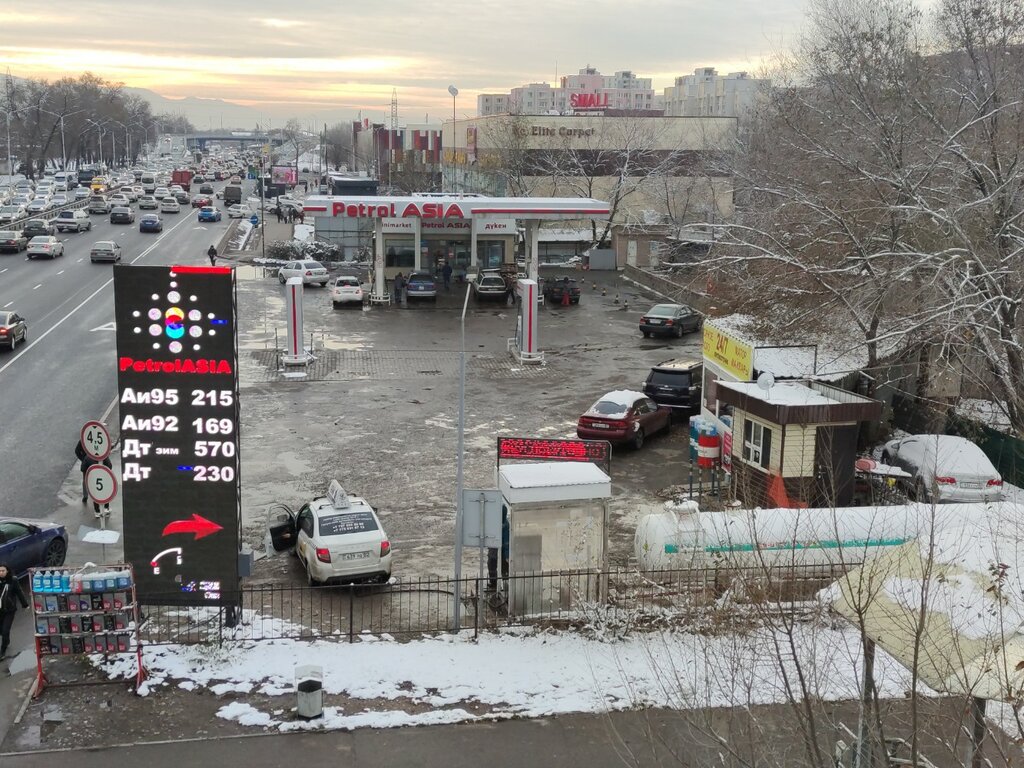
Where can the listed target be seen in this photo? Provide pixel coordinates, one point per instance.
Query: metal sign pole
(457, 612)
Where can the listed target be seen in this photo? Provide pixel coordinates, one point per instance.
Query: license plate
(970, 485)
(599, 425)
(355, 555)
(656, 322)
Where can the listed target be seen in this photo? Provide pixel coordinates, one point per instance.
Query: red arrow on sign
(198, 525)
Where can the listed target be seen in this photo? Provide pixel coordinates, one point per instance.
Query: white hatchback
(337, 538)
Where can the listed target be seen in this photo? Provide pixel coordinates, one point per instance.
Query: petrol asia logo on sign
(391, 211)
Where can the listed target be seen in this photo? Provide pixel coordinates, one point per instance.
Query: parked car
(28, 544)
(169, 205)
(338, 538)
(122, 215)
(944, 468)
(150, 222)
(105, 250)
(209, 213)
(77, 220)
(13, 330)
(346, 289)
(676, 384)
(555, 290)
(489, 285)
(671, 320)
(309, 271)
(420, 285)
(45, 245)
(11, 240)
(624, 416)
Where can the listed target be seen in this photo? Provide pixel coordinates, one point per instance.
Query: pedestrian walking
(85, 463)
(446, 273)
(278, 212)
(302, 217)
(212, 253)
(11, 594)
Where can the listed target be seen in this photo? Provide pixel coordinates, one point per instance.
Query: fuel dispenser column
(295, 353)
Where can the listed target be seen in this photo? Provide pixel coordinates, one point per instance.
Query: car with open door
(338, 538)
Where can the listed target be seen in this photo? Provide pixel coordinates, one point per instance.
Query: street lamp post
(454, 92)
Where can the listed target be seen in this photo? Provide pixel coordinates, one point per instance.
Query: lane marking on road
(4, 270)
(38, 286)
(8, 304)
(61, 272)
(82, 259)
(84, 301)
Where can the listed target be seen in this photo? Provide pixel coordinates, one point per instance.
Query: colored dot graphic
(178, 321)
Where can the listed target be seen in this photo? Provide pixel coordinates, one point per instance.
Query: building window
(399, 252)
(757, 443)
(490, 253)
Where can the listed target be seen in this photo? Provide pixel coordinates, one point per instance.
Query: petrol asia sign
(423, 210)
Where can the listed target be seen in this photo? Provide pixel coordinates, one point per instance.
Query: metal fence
(619, 599)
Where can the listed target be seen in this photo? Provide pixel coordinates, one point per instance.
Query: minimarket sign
(728, 353)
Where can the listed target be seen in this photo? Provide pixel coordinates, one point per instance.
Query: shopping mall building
(651, 170)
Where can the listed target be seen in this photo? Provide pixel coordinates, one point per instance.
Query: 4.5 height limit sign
(177, 379)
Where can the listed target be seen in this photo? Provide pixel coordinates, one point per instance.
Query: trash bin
(309, 690)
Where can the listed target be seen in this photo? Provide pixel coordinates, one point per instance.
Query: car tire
(336, 304)
(281, 279)
(310, 580)
(638, 440)
(920, 493)
(323, 284)
(679, 332)
(886, 458)
(55, 553)
(647, 334)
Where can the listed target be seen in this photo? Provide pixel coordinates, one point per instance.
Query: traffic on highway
(59, 239)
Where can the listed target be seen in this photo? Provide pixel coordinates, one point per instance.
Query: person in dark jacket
(86, 462)
(11, 594)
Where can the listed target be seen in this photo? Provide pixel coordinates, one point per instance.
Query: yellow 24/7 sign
(728, 353)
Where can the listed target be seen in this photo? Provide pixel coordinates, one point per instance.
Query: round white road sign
(101, 483)
(96, 440)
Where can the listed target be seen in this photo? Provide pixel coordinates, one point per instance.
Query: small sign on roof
(337, 495)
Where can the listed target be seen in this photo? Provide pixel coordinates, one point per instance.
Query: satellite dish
(453, 90)
(765, 381)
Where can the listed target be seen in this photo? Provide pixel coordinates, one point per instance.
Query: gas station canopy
(457, 207)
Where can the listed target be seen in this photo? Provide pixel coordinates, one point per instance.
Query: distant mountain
(205, 114)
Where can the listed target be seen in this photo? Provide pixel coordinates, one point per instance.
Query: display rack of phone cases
(86, 610)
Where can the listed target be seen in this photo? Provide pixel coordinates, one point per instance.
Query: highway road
(66, 373)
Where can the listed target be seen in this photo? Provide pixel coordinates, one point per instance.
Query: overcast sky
(305, 57)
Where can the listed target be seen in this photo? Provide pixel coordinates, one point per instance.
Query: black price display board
(177, 379)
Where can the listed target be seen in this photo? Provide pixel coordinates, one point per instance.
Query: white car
(120, 199)
(945, 468)
(346, 289)
(170, 205)
(82, 192)
(161, 193)
(45, 245)
(337, 538)
(61, 198)
(239, 212)
(309, 271)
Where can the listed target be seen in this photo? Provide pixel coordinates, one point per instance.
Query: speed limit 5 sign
(95, 440)
(100, 483)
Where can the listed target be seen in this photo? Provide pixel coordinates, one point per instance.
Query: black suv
(676, 384)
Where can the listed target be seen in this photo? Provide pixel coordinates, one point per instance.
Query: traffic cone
(625, 303)
(593, 286)
(604, 291)
(616, 299)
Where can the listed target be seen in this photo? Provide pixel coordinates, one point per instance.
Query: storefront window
(399, 252)
(490, 253)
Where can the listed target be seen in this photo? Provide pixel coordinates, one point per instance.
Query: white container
(309, 691)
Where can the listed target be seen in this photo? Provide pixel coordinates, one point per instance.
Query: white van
(148, 182)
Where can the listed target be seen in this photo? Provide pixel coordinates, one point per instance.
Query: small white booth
(558, 534)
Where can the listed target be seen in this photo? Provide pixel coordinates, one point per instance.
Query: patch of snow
(780, 393)
(303, 232)
(621, 397)
(244, 714)
(962, 600)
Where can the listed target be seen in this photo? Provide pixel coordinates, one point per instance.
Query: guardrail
(49, 214)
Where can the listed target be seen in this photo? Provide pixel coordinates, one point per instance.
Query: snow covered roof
(621, 397)
(966, 575)
(780, 393)
(553, 481)
(827, 358)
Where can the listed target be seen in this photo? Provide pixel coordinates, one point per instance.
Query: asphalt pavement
(66, 373)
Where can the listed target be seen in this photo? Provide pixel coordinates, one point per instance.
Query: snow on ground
(515, 673)
(303, 232)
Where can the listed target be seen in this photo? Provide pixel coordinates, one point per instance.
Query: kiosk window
(757, 443)
(490, 253)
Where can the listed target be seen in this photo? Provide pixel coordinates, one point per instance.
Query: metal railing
(620, 598)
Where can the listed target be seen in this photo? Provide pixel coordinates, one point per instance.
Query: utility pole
(391, 133)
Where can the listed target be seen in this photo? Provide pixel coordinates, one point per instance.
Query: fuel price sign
(177, 378)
